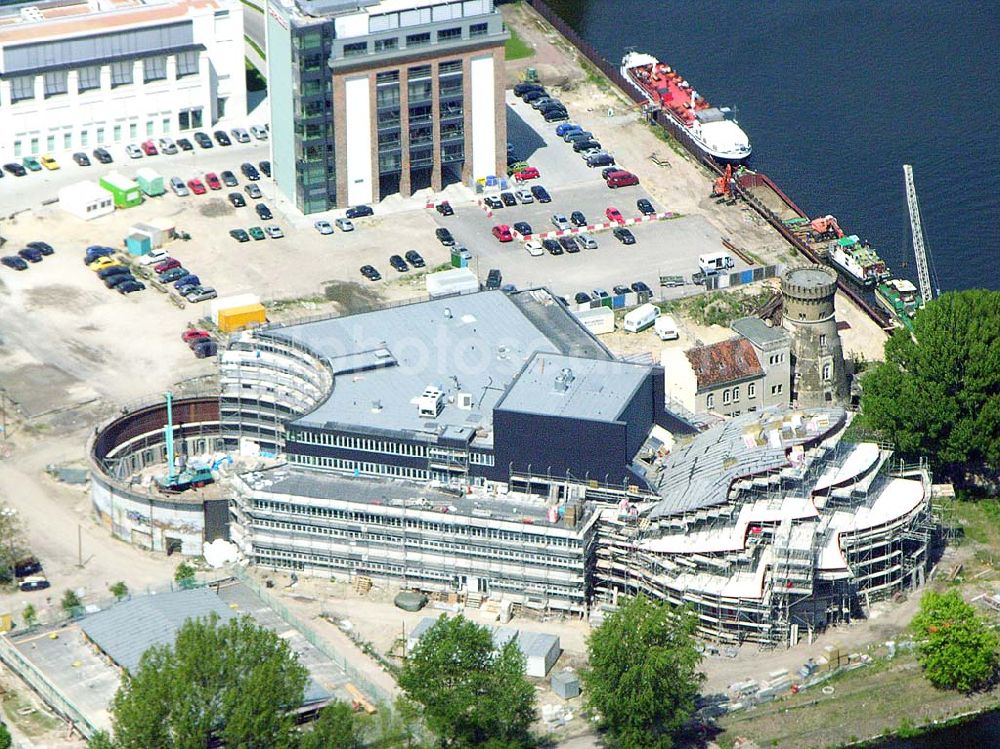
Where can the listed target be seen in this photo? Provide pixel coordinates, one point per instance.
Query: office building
(77, 75)
(370, 99)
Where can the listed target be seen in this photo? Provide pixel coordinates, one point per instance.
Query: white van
(715, 262)
(641, 317)
(666, 328)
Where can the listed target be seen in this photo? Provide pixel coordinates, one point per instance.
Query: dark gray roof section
(759, 333)
(128, 629)
(592, 389)
(699, 473)
(474, 344)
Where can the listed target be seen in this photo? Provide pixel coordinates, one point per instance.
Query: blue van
(567, 127)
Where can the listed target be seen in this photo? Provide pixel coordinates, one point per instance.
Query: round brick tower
(819, 376)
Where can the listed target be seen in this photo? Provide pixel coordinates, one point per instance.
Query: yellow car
(103, 262)
(49, 162)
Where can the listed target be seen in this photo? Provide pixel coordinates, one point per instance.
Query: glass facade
(315, 163)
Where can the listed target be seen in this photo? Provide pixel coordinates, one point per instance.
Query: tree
(12, 545)
(338, 727)
(958, 649)
(71, 602)
(184, 575)
(5, 740)
(100, 740)
(119, 590)
(235, 682)
(938, 391)
(469, 693)
(30, 615)
(643, 677)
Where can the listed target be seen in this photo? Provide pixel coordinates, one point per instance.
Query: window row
(359, 467)
(731, 395)
(367, 444)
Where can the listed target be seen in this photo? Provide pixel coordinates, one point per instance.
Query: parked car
(205, 349)
(249, 171)
(323, 227)
(153, 257)
(444, 237)
(169, 264)
(237, 200)
(188, 280)
(133, 151)
(26, 567)
(43, 247)
(173, 274)
(33, 583)
(414, 258)
(398, 264)
(257, 233)
(239, 235)
(609, 170)
(623, 235)
(229, 179)
(203, 140)
(502, 233)
(195, 334)
(14, 262)
(444, 208)
(179, 188)
(369, 272)
(274, 231)
(344, 224)
(569, 244)
(575, 136)
(265, 167)
(585, 145)
(621, 179)
(17, 170)
(520, 89)
(167, 145)
(263, 212)
(560, 222)
(102, 155)
(524, 195)
(213, 181)
(645, 207)
(534, 95)
(640, 287)
(552, 247)
(492, 201)
(523, 228)
(105, 261)
(149, 148)
(30, 254)
(555, 115)
(117, 279)
(130, 286)
(201, 294)
(567, 127)
(541, 194)
(534, 247)
(30, 162)
(81, 158)
(240, 135)
(508, 199)
(196, 186)
(359, 211)
(258, 132)
(529, 172)
(599, 294)
(95, 251)
(221, 138)
(115, 270)
(253, 191)
(614, 214)
(184, 144)
(600, 159)
(541, 101)
(494, 278)
(620, 289)
(582, 297)
(586, 241)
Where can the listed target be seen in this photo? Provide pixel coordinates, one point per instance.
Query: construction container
(166, 228)
(460, 257)
(138, 244)
(448, 282)
(566, 684)
(237, 318)
(124, 192)
(150, 181)
(155, 235)
(230, 302)
(86, 200)
(598, 320)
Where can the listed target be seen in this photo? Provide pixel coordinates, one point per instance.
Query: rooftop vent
(376, 406)
(465, 401)
(31, 13)
(447, 313)
(564, 379)
(430, 402)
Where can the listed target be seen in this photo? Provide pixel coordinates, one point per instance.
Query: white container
(641, 317)
(86, 200)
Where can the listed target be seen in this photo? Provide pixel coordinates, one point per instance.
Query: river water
(836, 97)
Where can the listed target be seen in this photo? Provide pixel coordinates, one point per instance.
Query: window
(415, 40)
(355, 48)
(826, 371)
(17, 149)
(149, 127)
(34, 145)
(133, 129)
(56, 83)
(776, 389)
(154, 69)
(386, 45)
(118, 133)
(187, 64)
(822, 339)
(100, 136)
(725, 395)
(445, 35)
(220, 106)
(21, 88)
(88, 78)
(710, 400)
(121, 73)
(166, 125)
(67, 141)
(50, 143)
(479, 29)
(751, 390)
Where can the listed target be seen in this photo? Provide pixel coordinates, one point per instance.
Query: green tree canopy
(938, 391)
(338, 727)
(184, 575)
(958, 649)
(643, 676)
(470, 694)
(236, 682)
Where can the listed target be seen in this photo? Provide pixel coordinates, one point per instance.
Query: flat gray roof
(129, 628)
(556, 385)
(698, 473)
(473, 344)
(758, 332)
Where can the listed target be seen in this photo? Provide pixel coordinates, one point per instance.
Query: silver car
(587, 241)
(560, 222)
(201, 294)
(323, 227)
(259, 132)
(240, 135)
(167, 145)
(344, 224)
(133, 151)
(179, 188)
(524, 195)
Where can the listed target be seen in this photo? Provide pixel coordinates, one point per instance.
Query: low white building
(77, 74)
(86, 200)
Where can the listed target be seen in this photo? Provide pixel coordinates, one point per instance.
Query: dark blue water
(837, 96)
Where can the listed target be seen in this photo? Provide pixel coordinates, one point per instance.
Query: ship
(712, 129)
(901, 299)
(857, 260)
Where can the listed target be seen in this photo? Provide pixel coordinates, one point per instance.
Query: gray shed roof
(758, 332)
(129, 628)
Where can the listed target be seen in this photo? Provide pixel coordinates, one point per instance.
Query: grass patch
(256, 47)
(980, 519)
(516, 48)
(719, 307)
(33, 723)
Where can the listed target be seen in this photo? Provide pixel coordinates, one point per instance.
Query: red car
(614, 214)
(149, 148)
(195, 335)
(529, 172)
(195, 186)
(502, 232)
(213, 181)
(169, 264)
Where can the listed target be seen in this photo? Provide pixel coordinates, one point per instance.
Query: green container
(124, 191)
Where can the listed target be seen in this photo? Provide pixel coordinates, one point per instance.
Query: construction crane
(920, 250)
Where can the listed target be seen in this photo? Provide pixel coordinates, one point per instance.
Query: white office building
(77, 74)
